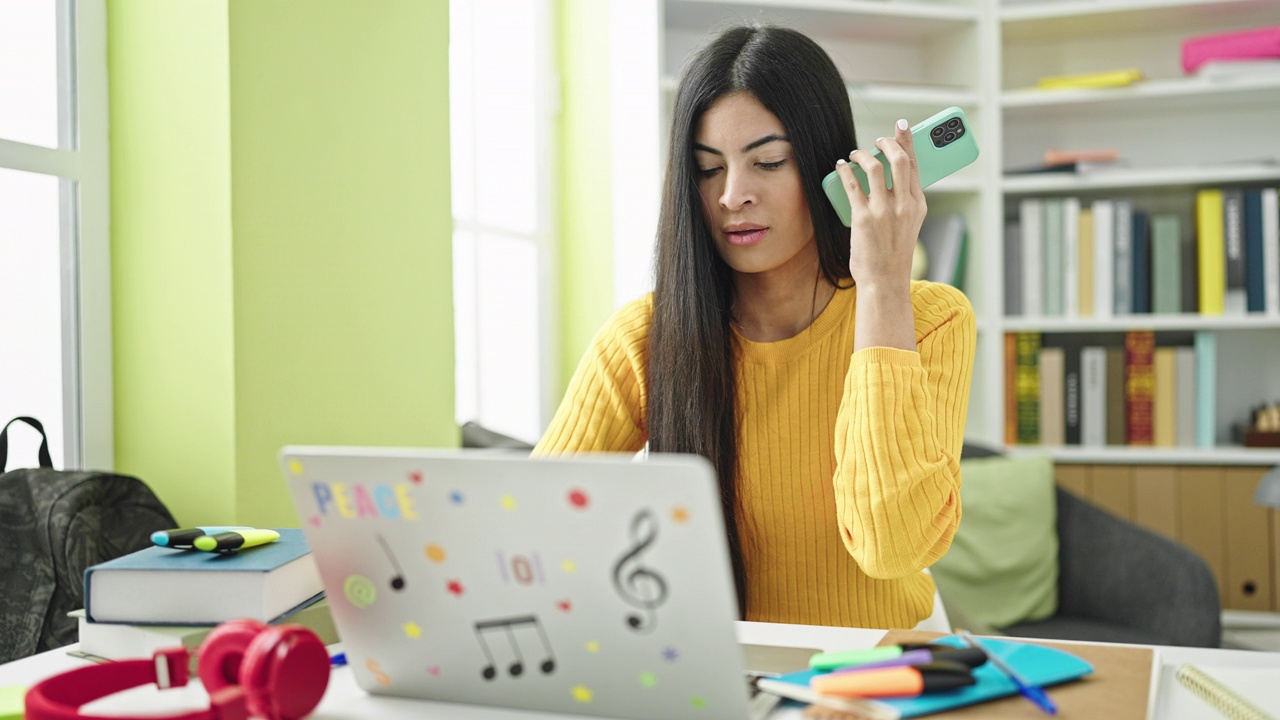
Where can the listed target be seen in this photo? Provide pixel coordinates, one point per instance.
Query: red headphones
(249, 669)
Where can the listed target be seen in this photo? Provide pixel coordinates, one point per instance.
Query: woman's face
(752, 198)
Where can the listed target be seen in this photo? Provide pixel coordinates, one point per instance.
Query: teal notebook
(167, 586)
(1037, 664)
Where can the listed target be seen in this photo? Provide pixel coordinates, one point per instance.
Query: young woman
(828, 389)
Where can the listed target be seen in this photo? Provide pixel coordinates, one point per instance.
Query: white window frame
(81, 162)
(470, 384)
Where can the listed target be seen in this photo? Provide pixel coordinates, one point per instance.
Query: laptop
(592, 585)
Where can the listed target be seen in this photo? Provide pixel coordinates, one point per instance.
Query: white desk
(344, 700)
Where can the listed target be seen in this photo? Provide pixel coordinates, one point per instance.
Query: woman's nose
(738, 190)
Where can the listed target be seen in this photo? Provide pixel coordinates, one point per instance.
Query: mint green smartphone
(944, 143)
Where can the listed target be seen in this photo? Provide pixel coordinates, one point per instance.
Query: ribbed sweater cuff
(888, 355)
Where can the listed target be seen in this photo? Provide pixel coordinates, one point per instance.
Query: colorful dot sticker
(415, 477)
(593, 646)
(456, 498)
(581, 694)
(360, 591)
(295, 467)
(697, 702)
(315, 521)
(578, 499)
(456, 588)
(648, 679)
(434, 671)
(435, 553)
(412, 630)
(508, 502)
(679, 514)
(564, 605)
(569, 566)
(670, 654)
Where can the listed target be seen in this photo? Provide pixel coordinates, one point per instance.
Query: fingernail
(878, 140)
(841, 162)
(902, 125)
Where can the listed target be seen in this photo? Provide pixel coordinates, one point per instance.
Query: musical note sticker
(509, 626)
(397, 580)
(360, 591)
(638, 584)
(378, 676)
(525, 569)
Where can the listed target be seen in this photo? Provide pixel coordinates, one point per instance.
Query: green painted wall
(172, 325)
(586, 219)
(320, 309)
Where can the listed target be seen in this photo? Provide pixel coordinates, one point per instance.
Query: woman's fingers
(900, 164)
(874, 172)
(852, 187)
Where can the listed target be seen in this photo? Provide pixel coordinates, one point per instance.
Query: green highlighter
(849, 658)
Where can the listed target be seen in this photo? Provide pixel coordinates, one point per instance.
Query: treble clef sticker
(638, 584)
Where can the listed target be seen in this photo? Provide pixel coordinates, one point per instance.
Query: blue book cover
(1038, 665)
(1255, 265)
(165, 586)
(1206, 345)
(1140, 263)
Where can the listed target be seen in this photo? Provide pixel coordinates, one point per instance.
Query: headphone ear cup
(223, 652)
(285, 673)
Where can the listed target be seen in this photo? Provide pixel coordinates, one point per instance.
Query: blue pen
(1031, 692)
(338, 660)
(184, 538)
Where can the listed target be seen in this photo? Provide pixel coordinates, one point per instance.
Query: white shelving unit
(904, 58)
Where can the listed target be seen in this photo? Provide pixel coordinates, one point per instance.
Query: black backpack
(52, 526)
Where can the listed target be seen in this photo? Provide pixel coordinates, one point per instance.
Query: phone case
(934, 162)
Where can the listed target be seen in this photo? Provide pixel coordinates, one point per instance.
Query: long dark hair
(690, 374)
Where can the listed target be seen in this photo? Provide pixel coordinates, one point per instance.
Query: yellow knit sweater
(848, 471)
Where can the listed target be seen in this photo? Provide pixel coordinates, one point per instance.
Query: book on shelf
(944, 239)
(1051, 276)
(119, 641)
(1093, 396)
(1093, 80)
(1122, 259)
(1254, 262)
(1072, 419)
(1251, 44)
(1010, 389)
(1012, 269)
(1166, 264)
(1104, 218)
(1027, 383)
(1052, 366)
(1185, 380)
(1139, 381)
(1029, 222)
(1212, 253)
(1164, 408)
(1206, 351)
(1084, 261)
(1117, 409)
(164, 586)
(1234, 299)
(1242, 69)
(1270, 199)
(1140, 262)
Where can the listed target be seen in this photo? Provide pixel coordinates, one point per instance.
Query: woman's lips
(746, 237)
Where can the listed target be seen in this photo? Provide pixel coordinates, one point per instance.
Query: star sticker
(508, 502)
(670, 654)
(648, 679)
(569, 566)
(412, 630)
(455, 497)
(593, 646)
(582, 694)
(679, 514)
(456, 588)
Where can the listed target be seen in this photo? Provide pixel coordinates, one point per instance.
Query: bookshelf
(1178, 134)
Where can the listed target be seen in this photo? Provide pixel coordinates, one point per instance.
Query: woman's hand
(885, 225)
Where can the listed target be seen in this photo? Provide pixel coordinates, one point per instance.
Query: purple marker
(910, 657)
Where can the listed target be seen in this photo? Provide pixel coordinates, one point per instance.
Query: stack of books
(164, 597)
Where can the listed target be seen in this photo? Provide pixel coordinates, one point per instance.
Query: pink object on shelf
(1239, 45)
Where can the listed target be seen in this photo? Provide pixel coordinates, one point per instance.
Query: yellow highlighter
(1105, 79)
(235, 540)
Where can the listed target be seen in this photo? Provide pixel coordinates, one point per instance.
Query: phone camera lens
(953, 123)
(959, 131)
(937, 132)
(949, 137)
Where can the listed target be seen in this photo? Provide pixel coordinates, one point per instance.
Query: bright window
(501, 112)
(54, 253)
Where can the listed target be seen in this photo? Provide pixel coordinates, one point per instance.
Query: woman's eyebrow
(748, 147)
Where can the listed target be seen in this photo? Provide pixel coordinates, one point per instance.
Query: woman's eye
(773, 165)
(708, 172)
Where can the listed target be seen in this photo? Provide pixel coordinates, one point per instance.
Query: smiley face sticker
(360, 591)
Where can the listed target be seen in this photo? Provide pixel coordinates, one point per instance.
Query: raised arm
(898, 437)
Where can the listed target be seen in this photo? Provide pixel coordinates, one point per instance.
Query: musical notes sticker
(509, 626)
(397, 580)
(636, 583)
(378, 676)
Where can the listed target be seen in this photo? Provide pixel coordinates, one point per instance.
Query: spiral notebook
(1239, 693)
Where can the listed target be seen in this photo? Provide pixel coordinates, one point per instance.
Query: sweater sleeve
(899, 432)
(603, 409)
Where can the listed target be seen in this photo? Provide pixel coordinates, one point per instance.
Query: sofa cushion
(1002, 568)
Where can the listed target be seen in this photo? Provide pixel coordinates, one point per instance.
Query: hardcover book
(1027, 382)
(164, 586)
(1140, 383)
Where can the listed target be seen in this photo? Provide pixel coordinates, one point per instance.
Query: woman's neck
(768, 307)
